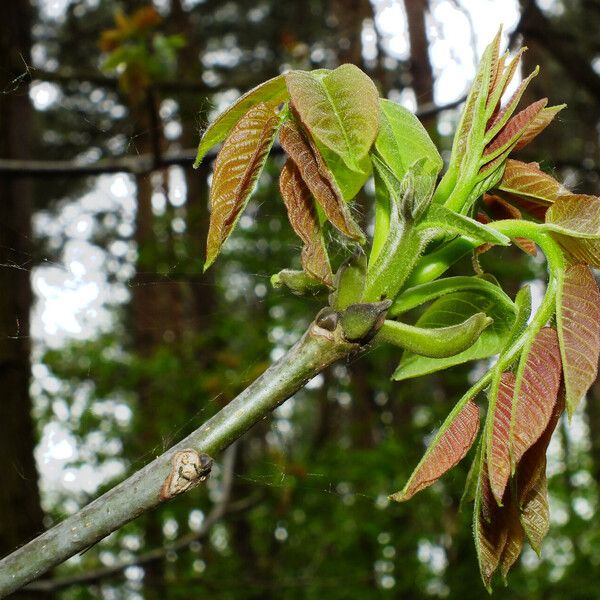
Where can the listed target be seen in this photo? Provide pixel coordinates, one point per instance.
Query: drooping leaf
(472, 480)
(515, 536)
(499, 455)
(449, 446)
(537, 386)
(535, 512)
(270, 92)
(438, 342)
(578, 321)
(340, 109)
(237, 169)
(305, 222)
(542, 120)
(455, 308)
(446, 220)
(489, 530)
(319, 180)
(402, 141)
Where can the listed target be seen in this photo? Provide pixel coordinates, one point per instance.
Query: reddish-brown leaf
(543, 119)
(515, 536)
(237, 169)
(499, 454)
(578, 320)
(489, 528)
(319, 180)
(538, 392)
(303, 218)
(449, 446)
(514, 129)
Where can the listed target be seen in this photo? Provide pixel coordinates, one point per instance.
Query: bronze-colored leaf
(319, 180)
(450, 445)
(304, 220)
(535, 512)
(578, 320)
(542, 120)
(515, 536)
(513, 130)
(237, 169)
(538, 392)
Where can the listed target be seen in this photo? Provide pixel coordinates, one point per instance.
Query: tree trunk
(22, 516)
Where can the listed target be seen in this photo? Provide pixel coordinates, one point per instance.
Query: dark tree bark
(21, 514)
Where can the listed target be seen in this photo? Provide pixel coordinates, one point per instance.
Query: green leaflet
(420, 294)
(575, 216)
(455, 308)
(382, 215)
(272, 91)
(298, 282)
(438, 342)
(445, 220)
(340, 109)
(402, 140)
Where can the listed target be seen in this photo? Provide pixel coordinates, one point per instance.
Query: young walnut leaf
(450, 445)
(499, 455)
(319, 180)
(578, 320)
(537, 392)
(340, 109)
(510, 134)
(535, 512)
(542, 120)
(574, 220)
(237, 169)
(303, 218)
(514, 536)
(527, 185)
(270, 92)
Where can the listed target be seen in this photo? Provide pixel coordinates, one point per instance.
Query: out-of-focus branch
(222, 508)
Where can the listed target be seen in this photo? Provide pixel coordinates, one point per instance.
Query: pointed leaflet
(502, 81)
(575, 215)
(452, 309)
(542, 120)
(272, 92)
(402, 140)
(514, 536)
(578, 320)
(537, 392)
(237, 169)
(449, 446)
(512, 131)
(304, 220)
(318, 180)
(340, 109)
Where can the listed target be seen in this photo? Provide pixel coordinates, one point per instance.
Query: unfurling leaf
(402, 141)
(578, 320)
(319, 180)
(510, 134)
(542, 120)
(237, 169)
(270, 92)
(453, 309)
(438, 342)
(449, 446)
(304, 220)
(340, 109)
(537, 392)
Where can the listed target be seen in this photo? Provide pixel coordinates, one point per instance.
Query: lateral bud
(298, 282)
(360, 322)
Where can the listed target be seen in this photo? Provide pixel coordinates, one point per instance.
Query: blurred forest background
(113, 345)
